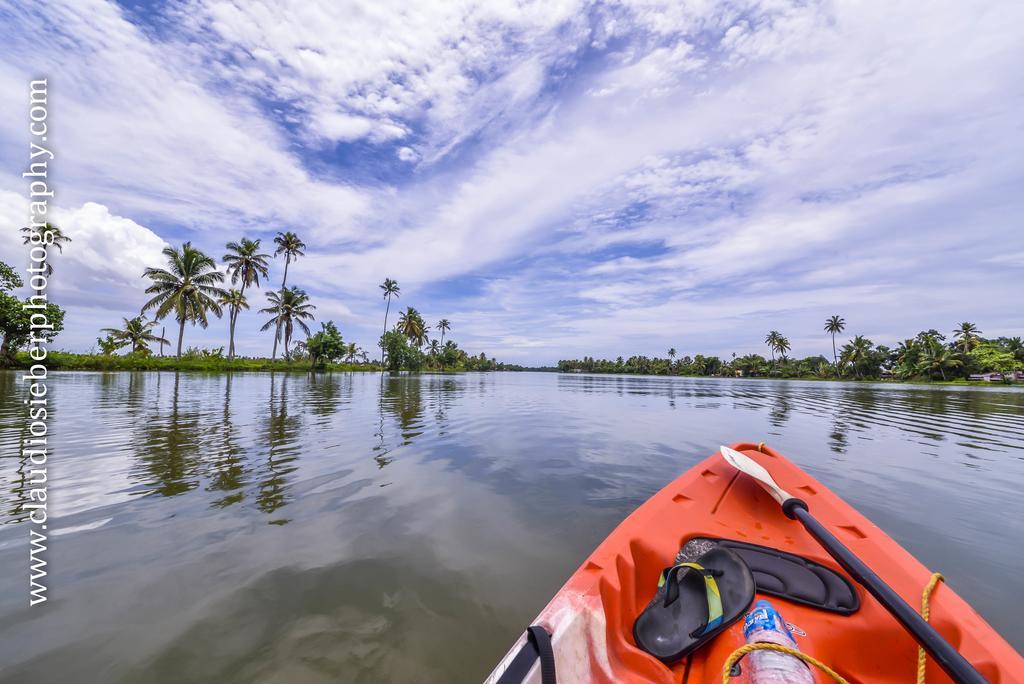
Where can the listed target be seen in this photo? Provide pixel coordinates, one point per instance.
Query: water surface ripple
(258, 527)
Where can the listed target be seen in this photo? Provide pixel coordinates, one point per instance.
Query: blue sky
(558, 179)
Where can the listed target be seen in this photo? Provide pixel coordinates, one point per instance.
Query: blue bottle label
(763, 616)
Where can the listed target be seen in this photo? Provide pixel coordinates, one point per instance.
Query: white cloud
(407, 154)
(139, 127)
(370, 70)
(98, 276)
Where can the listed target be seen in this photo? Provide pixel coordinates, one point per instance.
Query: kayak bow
(585, 633)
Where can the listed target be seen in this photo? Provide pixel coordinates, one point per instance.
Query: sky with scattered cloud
(557, 178)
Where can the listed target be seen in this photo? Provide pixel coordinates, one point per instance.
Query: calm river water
(345, 528)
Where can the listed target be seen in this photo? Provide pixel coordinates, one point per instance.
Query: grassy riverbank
(213, 364)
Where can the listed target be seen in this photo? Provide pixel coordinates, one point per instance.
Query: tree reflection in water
(168, 448)
(405, 400)
(228, 465)
(280, 434)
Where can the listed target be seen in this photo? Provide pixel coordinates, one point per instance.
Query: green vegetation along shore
(927, 356)
(187, 290)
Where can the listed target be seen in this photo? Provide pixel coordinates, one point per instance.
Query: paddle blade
(747, 465)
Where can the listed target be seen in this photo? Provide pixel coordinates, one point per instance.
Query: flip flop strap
(711, 593)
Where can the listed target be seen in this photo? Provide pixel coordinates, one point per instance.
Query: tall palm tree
(835, 325)
(390, 288)
(411, 324)
(137, 332)
(57, 239)
(187, 287)
(772, 340)
(444, 326)
(968, 334)
(235, 301)
(289, 307)
(245, 264)
(782, 346)
(672, 352)
(289, 244)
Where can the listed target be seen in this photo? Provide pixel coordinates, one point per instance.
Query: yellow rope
(738, 654)
(735, 656)
(926, 610)
(760, 447)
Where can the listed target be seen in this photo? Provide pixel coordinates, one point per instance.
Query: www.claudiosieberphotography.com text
(34, 447)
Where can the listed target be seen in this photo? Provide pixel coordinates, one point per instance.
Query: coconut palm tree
(907, 354)
(936, 356)
(855, 351)
(782, 346)
(411, 324)
(968, 334)
(137, 332)
(235, 301)
(37, 235)
(290, 307)
(772, 340)
(245, 265)
(835, 325)
(1015, 346)
(435, 347)
(444, 326)
(390, 288)
(289, 244)
(187, 288)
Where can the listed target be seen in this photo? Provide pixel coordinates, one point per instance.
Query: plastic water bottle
(764, 624)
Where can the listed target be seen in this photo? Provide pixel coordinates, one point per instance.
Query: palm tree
(390, 288)
(235, 301)
(435, 347)
(968, 334)
(245, 264)
(290, 307)
(856, 351)
(187, 287)
(137, 332)
(410, 324)
(936, 356)
(772, 340)
(1015, 346)
(835, 325)
(443, 325)
(57, 239)
(782, 346)
(289, 244)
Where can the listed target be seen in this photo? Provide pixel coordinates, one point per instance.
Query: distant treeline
(926, 356)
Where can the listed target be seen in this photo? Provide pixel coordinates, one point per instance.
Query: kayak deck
(591, 617)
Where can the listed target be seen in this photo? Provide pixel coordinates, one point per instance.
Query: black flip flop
(694, 603)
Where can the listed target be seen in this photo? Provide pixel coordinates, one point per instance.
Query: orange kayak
(588, 625)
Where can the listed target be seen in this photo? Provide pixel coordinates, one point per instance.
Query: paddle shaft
(954, 664)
